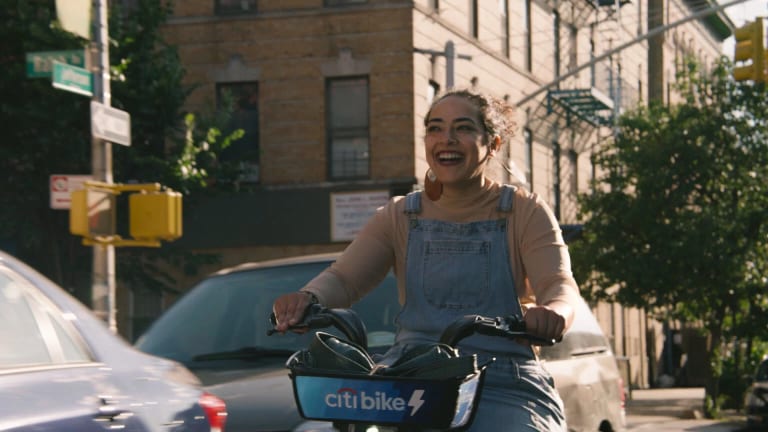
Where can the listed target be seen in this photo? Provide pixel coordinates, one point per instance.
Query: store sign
(351, 210)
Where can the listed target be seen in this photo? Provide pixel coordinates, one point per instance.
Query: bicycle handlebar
(511, 327)
(348, 322)
(317, 316)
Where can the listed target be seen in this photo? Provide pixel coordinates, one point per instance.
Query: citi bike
(428, 388)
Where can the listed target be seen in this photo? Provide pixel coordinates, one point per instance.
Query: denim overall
(456, 269)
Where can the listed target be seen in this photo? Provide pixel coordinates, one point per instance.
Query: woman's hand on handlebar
(544, 322)
(289, 310)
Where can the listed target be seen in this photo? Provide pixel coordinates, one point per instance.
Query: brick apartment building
(331, 95)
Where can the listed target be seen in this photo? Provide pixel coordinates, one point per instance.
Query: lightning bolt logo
(416, 401)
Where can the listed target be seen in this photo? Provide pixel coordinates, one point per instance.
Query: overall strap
(507, 198)
(413, 203)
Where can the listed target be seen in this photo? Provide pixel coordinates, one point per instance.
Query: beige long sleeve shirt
(538, 254)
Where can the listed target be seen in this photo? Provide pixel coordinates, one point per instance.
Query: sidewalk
(657, 405)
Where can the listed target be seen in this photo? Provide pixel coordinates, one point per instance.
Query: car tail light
(215, 410)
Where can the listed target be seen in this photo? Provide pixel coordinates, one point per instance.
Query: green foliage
(677, 220)
(47, 131)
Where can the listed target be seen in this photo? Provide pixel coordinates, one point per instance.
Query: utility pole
(450, 58)
(103, 277)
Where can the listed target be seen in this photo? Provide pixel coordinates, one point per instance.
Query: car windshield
(226, 317)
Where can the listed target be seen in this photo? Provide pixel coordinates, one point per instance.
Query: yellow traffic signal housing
(78, 213)
(750, 48)
(91, 213)
(155, 215)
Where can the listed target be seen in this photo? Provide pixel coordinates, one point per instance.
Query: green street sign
(72, 78)
(40, 63)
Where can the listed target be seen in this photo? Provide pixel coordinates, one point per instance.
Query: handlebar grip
(511, 327)
(308, 320)
(317, 316)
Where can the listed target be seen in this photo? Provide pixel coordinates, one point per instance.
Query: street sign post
(39, 63)
(72, 78)
(110, 124)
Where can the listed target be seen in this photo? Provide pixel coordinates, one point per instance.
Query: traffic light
(91, 213)
(155, 215)
(750, 48)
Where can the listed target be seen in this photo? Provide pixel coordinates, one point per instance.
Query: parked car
(756, 399)
(218, 330)
(62, 369)
(587, 376)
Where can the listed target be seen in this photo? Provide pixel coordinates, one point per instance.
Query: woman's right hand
(289, 310)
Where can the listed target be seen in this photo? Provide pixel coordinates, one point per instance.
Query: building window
(474, 23)
(504, 16)
(556, 179)
(528, 36)
(556, 31)
(573, 164)
(343, 2)
(528, 149)
(347, 125)
(592, 52)
(243, 98)
(573, 47)
(434, 5)
(231, 7)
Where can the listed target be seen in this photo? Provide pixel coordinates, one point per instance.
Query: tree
(676, 222)
(47, 131)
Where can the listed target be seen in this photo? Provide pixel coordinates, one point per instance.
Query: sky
(741, 14)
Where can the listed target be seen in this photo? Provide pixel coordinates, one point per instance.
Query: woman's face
(455, 143)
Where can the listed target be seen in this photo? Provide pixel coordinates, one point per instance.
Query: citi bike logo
(349, 398)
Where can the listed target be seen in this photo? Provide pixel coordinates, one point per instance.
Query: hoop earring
(432, 187)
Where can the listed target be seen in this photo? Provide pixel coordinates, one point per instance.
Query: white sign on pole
(351, 210)
(110, 124)
(62, 186)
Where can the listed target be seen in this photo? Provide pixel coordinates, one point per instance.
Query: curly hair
(497, 116)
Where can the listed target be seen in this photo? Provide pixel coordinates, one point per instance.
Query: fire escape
(596, 103)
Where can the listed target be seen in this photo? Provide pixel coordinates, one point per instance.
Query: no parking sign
(62, 186)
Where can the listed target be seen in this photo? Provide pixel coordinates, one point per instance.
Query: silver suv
(218, 330)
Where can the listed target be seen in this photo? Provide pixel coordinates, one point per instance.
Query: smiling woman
(466, 246)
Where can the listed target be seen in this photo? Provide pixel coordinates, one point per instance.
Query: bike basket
(386, 400)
